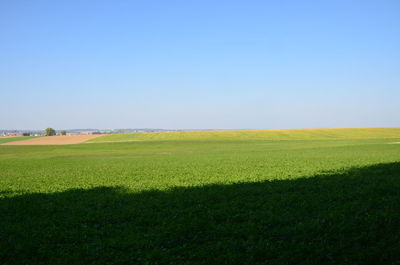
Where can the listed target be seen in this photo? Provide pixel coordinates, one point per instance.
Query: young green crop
(14, 139)
(298, 134)
(203, 199)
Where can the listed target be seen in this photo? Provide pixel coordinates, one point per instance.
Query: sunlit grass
(174, 198)
(300, 134)
(14, 139)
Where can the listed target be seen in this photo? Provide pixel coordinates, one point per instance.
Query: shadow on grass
(348, 218)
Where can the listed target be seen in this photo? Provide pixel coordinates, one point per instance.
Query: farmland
(298, 134)
(323, 196)
(52, 140)
(15, 139)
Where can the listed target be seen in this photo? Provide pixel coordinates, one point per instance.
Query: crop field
(298, 134)
(320, 196)
(53, 140)
(15, 139)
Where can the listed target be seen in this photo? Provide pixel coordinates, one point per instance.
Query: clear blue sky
(199, 64)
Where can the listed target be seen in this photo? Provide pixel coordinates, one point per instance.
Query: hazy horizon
(203, 65)
(201, 129)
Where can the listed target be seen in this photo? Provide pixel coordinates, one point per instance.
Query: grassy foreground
(199, 201)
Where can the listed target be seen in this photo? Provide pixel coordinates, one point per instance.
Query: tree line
(52, 132)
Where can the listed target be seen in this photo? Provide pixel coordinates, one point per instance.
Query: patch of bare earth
(55, 140)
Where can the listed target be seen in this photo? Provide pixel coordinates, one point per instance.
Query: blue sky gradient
(199, 64)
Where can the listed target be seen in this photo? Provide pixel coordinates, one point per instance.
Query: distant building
(87, 132)
(14, 134)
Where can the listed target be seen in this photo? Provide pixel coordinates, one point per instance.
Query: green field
(326, 196)
(299, 134)
(14, 139)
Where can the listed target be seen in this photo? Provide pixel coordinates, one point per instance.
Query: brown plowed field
(55, 140)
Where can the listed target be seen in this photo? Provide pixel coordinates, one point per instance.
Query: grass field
(16, 138)
(233, 197)
(299, 134)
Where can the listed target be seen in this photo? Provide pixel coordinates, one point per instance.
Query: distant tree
(26, 134)
(63, 132)
(49, 132)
